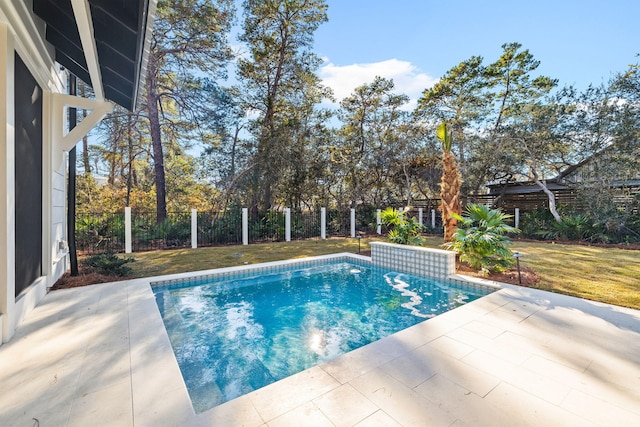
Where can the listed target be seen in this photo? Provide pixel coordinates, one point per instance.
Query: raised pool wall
(426, 262)
(416, 260)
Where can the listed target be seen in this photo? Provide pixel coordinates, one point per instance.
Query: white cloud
(408, 79)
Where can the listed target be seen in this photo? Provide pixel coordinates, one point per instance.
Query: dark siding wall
(28, 191)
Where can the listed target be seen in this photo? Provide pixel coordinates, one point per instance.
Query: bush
(404, 231)
(108, 263)
(607, 225)
(481, 239)
(535, 224)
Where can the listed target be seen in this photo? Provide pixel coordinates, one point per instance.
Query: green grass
(608, 275)
(601, 274)
(182, 260)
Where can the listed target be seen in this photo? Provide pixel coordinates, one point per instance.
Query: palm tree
(450, 184)
(482, 241)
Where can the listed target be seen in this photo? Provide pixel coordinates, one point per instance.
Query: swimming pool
(235, 333)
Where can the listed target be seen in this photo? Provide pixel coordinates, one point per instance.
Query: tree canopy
(268, 139)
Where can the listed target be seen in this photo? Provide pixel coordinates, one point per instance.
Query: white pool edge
(171, 370)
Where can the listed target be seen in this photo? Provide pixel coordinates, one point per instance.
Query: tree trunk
(543, 186)
(408, 182)
(552, 200)
(450, 195)
(156, 142)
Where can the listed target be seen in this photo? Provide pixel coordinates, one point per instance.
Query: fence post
(287, 224)
(127, 229)
(378, 221)
(353, 222)
(420, 216)
(433, 219)
(194, 228)
(323, 223)
(517, 217)
(245, 226)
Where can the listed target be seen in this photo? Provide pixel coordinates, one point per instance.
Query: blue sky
(416, 41)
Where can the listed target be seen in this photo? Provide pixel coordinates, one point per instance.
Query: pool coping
(483, 363)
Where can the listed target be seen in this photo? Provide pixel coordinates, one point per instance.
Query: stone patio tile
(378, 419)
(35, 378)
(351, 365)
(50, 409)
(281, 397)
(538, 385)
(418, 335)
(516, 311)
(155, 406)
(485, 329)
(345, 406)
(115, 334)
(489, 303)
(236, 412)
(104, 368)
(400, 402)
(625, 394)
(58, 341)
(451, 347)
(612, 368)
(305, 415)
(563, 349)
(410, 369)
(475, 380)
(498, 349)
(109, 406)
(554, 370)
(524, 409)
(470, 408)
(599, 411)
(455, 318)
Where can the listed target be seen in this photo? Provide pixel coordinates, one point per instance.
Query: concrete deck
(99, 356)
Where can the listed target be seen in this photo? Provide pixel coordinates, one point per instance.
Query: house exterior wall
(22, 33)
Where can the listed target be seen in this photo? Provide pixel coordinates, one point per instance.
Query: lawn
(602, 274)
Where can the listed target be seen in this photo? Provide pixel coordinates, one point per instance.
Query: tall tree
(510, 78)
(370, 140)
(189, 37)
(460, 99)
(279, 36)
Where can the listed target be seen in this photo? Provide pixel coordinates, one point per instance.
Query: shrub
(536, 224)
(108, 263)
(403, 230)
(481, 239)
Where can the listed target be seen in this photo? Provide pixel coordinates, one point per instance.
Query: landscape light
(517, 256)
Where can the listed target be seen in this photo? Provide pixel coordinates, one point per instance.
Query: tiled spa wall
(416, 260)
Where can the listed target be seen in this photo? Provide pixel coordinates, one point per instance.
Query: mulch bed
(84, 278)
(527, 278)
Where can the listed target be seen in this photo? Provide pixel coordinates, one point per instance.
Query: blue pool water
(235, 335)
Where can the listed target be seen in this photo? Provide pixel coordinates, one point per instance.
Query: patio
(99, 356)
